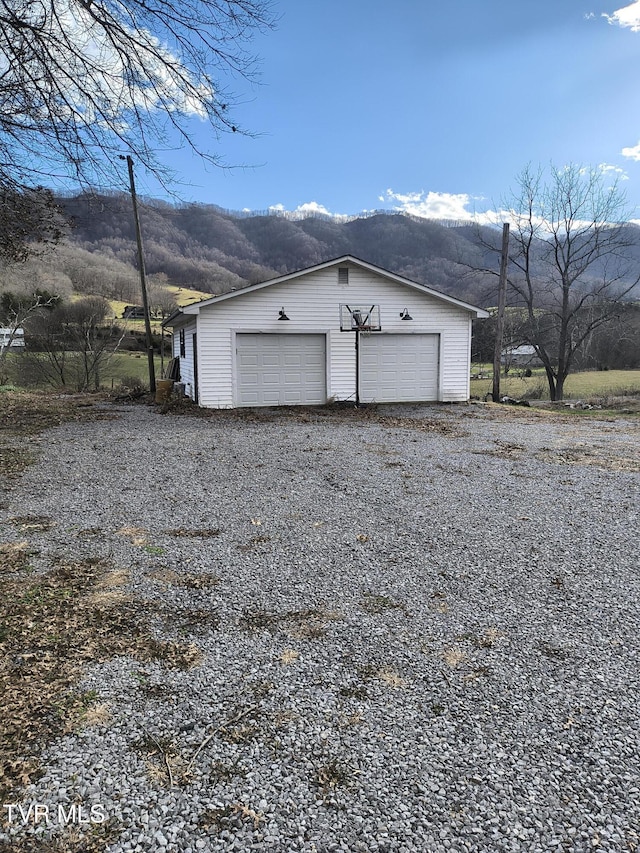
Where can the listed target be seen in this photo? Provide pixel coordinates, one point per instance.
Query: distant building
(133, 312)
(522, 356)
(6, 338)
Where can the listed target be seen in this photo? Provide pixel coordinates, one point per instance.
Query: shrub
(132, 383)
(535, 392)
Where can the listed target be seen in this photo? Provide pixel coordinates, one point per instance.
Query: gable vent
(343, 275)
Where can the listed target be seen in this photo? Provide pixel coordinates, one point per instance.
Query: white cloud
(616, 171)
(302, 211)
(627, 16)
(632, 153)
(311, 207)
(434, 205)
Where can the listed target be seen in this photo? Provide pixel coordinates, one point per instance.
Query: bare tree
(71, 345)
(161, 300)
(83, 80)
(570, 261)
(15, 311)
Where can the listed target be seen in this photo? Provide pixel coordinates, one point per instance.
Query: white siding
(312, 304)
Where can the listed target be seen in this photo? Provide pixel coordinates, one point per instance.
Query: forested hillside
(204, 247)
(212, 250)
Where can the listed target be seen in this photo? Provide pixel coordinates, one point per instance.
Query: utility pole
(143, 278)
(502, 298)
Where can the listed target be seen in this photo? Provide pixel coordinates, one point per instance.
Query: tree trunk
(551, 381)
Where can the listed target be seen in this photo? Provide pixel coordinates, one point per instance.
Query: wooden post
(502, 298)
(143, 279)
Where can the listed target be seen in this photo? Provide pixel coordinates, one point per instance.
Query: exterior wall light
(404, 315)
(282, 315)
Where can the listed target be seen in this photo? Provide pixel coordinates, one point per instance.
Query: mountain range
(211, 250)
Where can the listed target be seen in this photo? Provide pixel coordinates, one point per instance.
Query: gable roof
(195, 307)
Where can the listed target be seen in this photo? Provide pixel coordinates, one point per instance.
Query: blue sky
(428, 107)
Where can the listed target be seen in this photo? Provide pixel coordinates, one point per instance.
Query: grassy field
(579, 386)
(183, 296)
(128, 366)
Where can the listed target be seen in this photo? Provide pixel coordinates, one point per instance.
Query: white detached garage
(341, 330)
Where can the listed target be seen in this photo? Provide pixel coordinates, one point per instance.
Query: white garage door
(281, 370)
(398, 368)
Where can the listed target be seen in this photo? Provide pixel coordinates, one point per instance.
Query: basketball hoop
(359, 318)
(363, 320)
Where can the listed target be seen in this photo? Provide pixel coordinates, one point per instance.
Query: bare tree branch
(82, 80)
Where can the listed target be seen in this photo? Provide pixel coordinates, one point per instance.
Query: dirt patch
(301, 624)
(598, 457)
(342, 412)
(14, 557)
(13, 461)
(32, 523)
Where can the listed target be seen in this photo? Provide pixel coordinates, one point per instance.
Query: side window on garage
(183, 349)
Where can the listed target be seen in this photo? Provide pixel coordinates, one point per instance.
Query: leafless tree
(15, 311)
(70, 345)
(570, 261)
(82, 80)
(161, 300)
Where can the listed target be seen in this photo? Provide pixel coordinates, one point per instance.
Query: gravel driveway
(413, 629)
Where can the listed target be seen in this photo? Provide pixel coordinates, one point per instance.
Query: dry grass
(14, 557)
(374, 603)
(51, 626)
(389, 677)
(334, 774)
(599, 457)
(32, 523)
(454, 656)
(340, 412)
(28, 413)
(74, 839)
(289, 656)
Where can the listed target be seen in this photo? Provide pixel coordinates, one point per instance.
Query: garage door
(281, 370)
(398, 368)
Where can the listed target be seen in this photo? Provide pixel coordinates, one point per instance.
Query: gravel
(420, 632)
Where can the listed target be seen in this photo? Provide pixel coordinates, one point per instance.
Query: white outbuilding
(341, 330)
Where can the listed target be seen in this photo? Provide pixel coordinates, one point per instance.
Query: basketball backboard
(359, 318)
